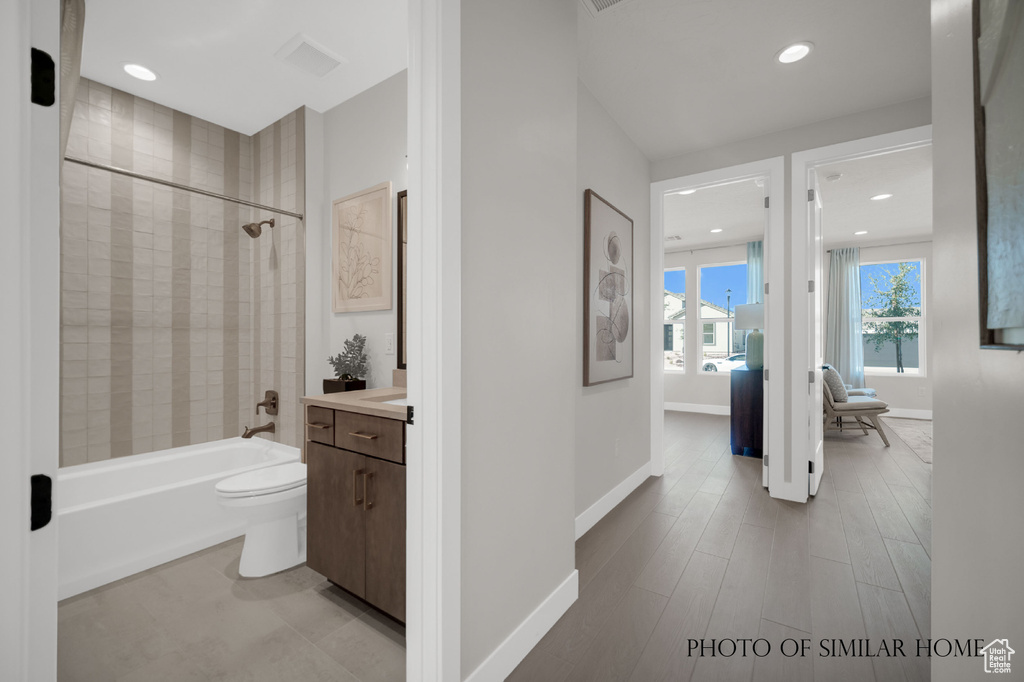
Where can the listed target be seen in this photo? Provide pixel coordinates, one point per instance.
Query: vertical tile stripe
(257, 266)
(181, 266)
(232, 229)
(300, 271)
(122, 273)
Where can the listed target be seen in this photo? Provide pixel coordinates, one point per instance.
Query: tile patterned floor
(195, 619)
(704, 552)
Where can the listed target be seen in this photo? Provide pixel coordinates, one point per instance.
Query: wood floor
(704, 552)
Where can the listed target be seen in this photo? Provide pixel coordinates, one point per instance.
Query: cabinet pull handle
(317, 425)
(367, 505)
(367, 436)
(355, 488)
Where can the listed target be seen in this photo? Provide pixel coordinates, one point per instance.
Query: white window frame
(680, 322)
(715, 320)
(704, 332)
(922, 340)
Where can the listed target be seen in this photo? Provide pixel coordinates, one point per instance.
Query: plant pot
(340, 385)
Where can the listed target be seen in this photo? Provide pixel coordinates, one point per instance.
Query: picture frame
(998, 53)
(361, 250)
(608, 292)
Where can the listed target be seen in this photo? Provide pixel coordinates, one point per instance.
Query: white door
(814, 314)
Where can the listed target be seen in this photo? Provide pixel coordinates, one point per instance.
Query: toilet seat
(265, 481)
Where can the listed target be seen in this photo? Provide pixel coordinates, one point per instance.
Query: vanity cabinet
(356, 504)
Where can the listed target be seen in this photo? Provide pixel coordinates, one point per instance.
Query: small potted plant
(350, 367)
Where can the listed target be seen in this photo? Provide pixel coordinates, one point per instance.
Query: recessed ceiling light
(717, 229)
(684, 191)
(794, 52)
(880, 197)
(860, 233)
(140, 72)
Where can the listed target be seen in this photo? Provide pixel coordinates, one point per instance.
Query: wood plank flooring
(704, 552)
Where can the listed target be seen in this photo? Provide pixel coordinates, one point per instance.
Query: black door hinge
(44, 79)
(42, 500)
(408, 414)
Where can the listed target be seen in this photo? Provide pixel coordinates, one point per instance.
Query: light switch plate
(389, 343)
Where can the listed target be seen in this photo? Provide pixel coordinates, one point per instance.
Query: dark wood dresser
(746, 411)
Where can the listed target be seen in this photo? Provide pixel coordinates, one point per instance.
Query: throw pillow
(835, 384)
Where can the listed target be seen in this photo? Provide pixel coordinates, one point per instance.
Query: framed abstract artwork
(361, 250)
(608, 292)
(999, 131)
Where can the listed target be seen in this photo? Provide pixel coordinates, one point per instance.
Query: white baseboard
(909, 414)
(596, 511)
(697, 407)
(516, 646)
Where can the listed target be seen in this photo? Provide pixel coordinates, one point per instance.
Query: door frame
(774, 170)
(30, 357)
(805, 403)
(434, 494)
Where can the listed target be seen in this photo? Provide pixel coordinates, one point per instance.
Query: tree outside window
(891, 316)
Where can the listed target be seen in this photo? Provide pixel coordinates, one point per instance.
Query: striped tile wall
(171, 325)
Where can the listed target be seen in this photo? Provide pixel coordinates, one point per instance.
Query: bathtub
(122, 516)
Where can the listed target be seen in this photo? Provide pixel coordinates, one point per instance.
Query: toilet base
(273, 545)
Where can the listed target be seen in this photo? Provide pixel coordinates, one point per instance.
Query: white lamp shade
(750, 316)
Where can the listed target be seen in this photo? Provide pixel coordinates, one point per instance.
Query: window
(892, 312)
(709, 333)
(722, 288)
(675, 319)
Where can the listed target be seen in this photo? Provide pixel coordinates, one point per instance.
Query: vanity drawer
(320, 425)
(374, 436)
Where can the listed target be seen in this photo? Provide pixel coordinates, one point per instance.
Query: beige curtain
(72, 26)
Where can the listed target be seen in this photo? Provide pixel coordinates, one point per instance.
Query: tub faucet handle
(269, 403)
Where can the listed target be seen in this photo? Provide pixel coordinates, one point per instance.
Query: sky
(713, 283)
(866, 288)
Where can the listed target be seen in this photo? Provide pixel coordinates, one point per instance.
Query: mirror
(402, 279)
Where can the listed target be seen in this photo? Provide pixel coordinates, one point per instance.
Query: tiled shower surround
(174, 321)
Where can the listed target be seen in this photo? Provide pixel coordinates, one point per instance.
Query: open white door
(814, 407)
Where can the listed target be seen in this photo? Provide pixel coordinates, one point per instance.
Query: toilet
(273, 500)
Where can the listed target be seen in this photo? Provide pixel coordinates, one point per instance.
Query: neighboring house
(715, 326)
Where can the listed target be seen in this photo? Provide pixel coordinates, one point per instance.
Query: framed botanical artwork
(999, 130)
(608, 292)
(361, 250)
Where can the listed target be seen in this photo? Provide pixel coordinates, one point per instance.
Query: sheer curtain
(72, 26)
(844, 346)
(755, 272)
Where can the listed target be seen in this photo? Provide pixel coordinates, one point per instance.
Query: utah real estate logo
(997, 656)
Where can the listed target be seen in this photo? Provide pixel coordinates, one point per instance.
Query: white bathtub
(122, 516)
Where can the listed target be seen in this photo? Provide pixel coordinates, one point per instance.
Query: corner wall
(978, 472)
(519, 350)
(613, 427)
(364, 144)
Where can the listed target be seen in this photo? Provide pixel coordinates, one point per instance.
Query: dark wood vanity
(356, 495)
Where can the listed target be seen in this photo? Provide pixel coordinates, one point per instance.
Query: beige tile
(666, 566)
(172, 667)
(572, 634)
(372, 648)
(686, 616)
(870, 561)
(835, 614)
(777, 666)
(787, 600)
(614, 652)
(285, 655)
(915, 576)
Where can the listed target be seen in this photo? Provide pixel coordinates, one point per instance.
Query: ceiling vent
(598, 7)
(304, 53)
(673, 238)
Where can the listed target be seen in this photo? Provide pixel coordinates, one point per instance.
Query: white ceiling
(215, 59)
(847, 206)
(736, 208)
(683, 75)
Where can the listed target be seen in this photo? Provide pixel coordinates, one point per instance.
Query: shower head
(254, 229)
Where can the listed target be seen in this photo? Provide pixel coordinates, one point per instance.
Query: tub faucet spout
(266, 428)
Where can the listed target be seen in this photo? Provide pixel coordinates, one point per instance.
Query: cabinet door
(336, 531)
(385, 537)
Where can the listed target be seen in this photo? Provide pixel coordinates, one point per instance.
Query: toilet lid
(264, 481)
